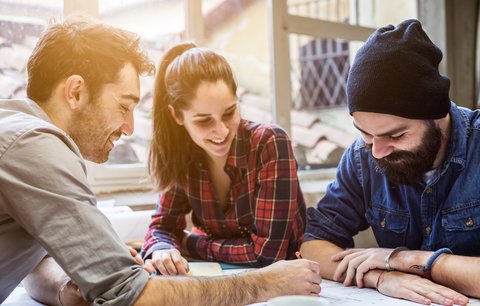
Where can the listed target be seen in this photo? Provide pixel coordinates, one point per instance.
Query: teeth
(217, 140)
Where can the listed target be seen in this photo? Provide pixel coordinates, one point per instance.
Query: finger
(436, 297)
(440, 295)
(342, 254)
(346, 262)
(352, 269)
(135, 255)
(312, 265)
(361, 270)
(456, 297)
(314, 278)
(340, 270)
(169, 264)
(415, 297)
(180, 263)
(149, 267)
(315, 289)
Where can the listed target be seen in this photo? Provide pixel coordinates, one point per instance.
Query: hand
(146, 266)
(288, 277)
(417, 289)
(69, 295)
(169, 262)
(356, 262)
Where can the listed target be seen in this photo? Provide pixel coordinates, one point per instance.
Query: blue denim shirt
(443, 213)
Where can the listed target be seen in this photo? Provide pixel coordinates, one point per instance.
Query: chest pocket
(462, 228)
(389, 227)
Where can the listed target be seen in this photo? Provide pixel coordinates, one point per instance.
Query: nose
(381, 147)
(221, 129)
(127, 127)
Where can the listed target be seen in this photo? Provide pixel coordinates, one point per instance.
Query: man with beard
(82, 89)
(413, 177)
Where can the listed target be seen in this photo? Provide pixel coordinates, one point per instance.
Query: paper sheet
(339, 295)
(205, 269)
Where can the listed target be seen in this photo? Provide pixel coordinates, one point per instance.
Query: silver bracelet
(389, 256)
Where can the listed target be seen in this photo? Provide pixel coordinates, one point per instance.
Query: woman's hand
(168, 262)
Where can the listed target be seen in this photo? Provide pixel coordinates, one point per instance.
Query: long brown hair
(182, 69)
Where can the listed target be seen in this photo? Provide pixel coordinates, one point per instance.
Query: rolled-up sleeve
(340, 214)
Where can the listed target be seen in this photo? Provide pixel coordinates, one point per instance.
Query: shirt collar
(237, 157)
(457, 146)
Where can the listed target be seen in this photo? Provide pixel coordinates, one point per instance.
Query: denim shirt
(445, 212)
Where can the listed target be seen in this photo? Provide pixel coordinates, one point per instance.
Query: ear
(75, 91)
(177, 119)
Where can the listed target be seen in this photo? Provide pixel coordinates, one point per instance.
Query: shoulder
(23, 131)
(260, 133)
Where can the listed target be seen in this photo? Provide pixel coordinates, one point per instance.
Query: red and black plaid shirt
(265, 216)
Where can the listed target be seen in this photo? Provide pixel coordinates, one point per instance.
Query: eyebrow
(132, 97)
(226, 111)
(389, 133)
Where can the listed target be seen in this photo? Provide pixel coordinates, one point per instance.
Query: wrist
(60, 292)
(403, 261)
(389, 266)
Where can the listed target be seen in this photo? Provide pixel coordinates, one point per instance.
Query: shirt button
(428, 230)
(383, 223)
(429, 190)
(469, 222)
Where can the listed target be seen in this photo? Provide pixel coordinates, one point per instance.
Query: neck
(59, 117)
(216, 161)
(445, 125)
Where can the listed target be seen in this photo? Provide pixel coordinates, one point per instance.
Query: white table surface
(334, 292)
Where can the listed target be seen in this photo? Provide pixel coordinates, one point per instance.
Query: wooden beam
(326, 29)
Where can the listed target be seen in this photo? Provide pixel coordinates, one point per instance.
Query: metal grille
(324, 65)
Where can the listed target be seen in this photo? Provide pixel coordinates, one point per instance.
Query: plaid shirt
(265, 216)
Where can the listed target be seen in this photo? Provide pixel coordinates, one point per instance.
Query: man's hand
(168, 262)
(288, 277)
(417, 289)
(354, 263)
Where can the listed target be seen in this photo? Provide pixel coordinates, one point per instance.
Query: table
(334, 292)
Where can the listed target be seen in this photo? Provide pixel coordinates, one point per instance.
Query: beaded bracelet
(427, 269)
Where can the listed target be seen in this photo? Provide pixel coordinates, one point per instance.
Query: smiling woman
(239, 178)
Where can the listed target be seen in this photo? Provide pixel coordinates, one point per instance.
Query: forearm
(242, 290)
(321, 252)
(45, 281)
(460, 273)
(239, 250)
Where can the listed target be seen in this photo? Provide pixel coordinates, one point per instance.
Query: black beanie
(396, 72)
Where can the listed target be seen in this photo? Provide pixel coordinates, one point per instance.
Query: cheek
(234, 122)
(196, 132)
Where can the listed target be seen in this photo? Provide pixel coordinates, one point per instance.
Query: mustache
(392, 157)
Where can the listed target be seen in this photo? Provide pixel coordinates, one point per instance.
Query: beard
(409, 167)
(90, 131)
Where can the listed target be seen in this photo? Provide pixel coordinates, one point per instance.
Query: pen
(298, 254)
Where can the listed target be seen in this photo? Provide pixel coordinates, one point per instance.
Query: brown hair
(182, 69)
(85, 47)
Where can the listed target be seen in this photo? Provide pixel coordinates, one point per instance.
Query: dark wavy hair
(182, 69)
(84, 47)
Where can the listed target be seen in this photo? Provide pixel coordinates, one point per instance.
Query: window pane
(159, 24)
(21, 22)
